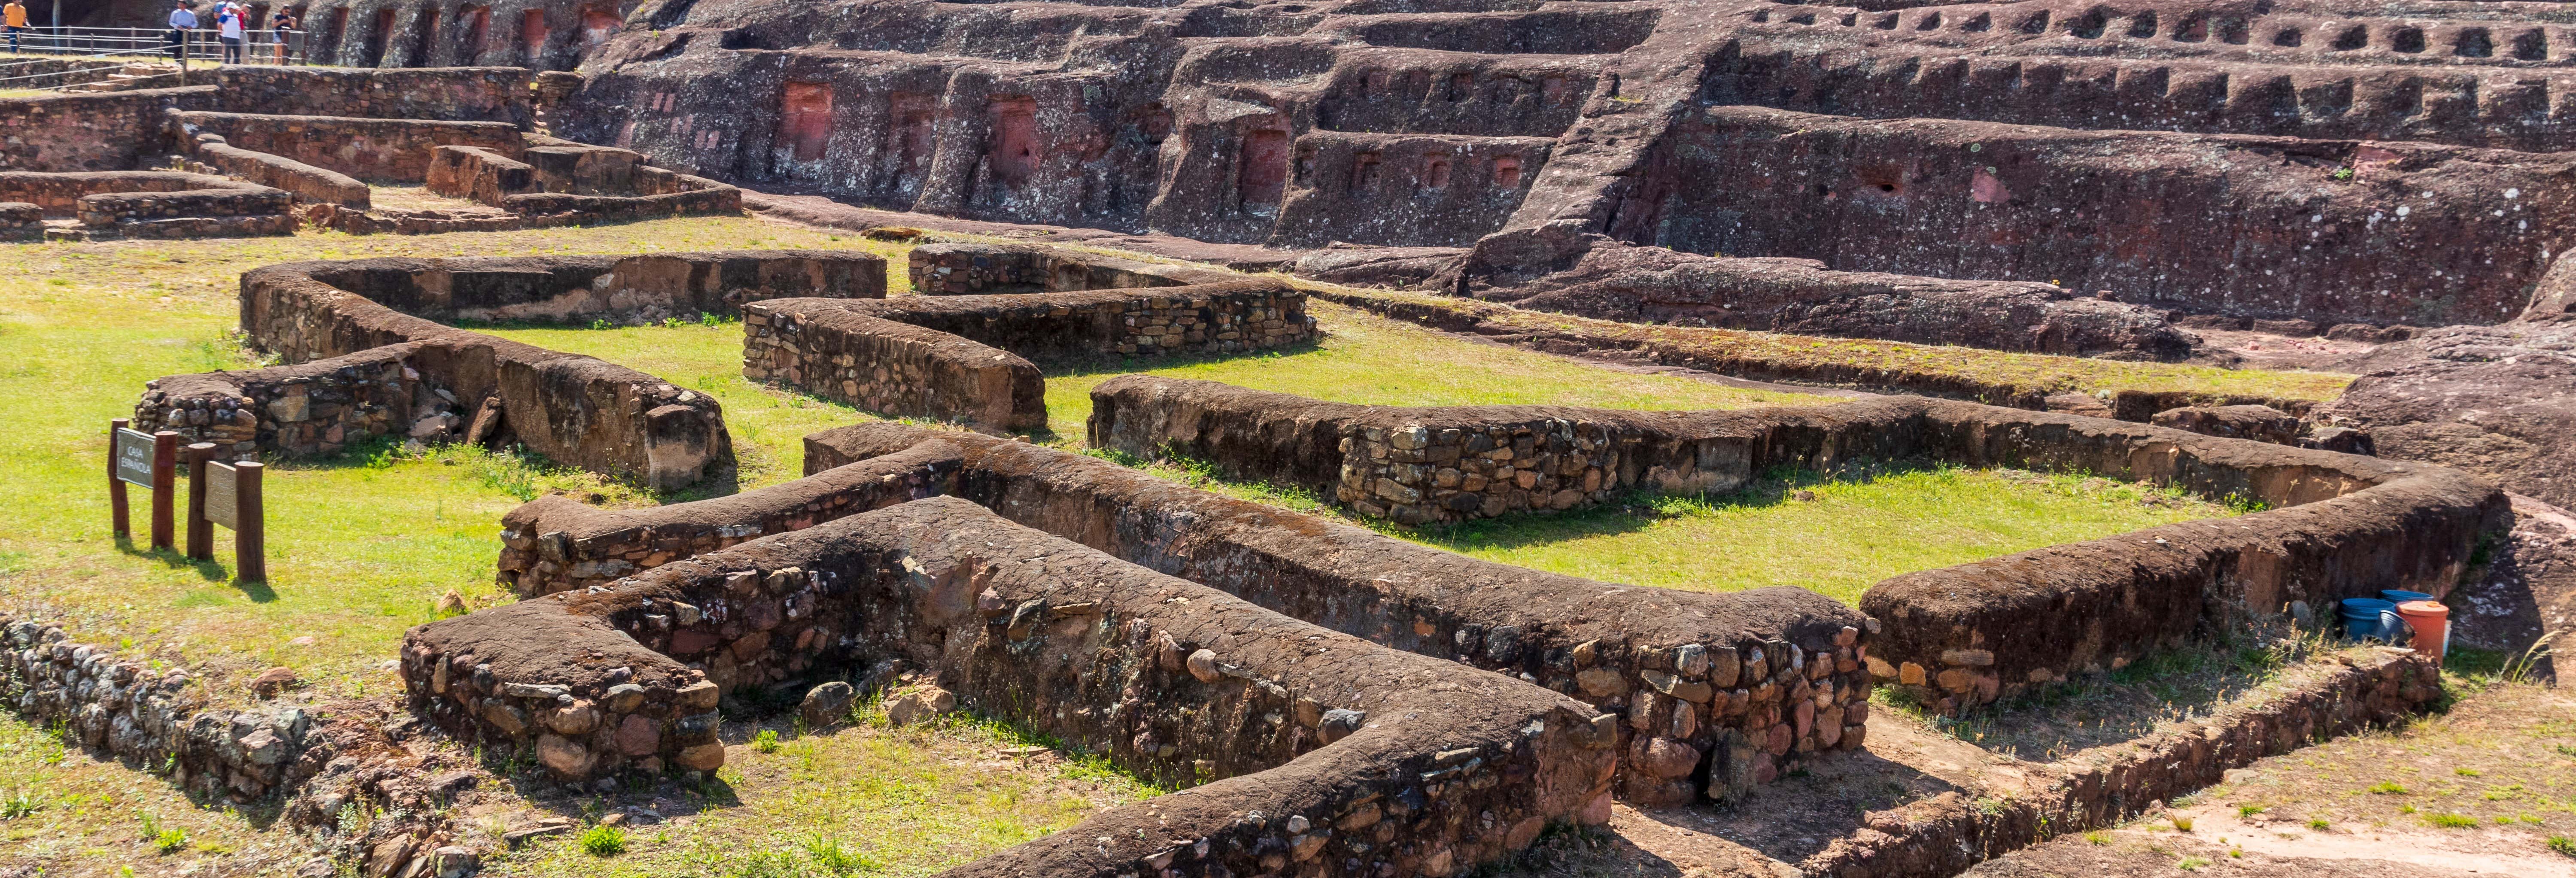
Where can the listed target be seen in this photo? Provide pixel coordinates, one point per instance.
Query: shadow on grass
(1086, 365)
(2193, 681)
(209, 569)
(1641, 509)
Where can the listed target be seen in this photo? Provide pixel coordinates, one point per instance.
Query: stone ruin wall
(1004, 269)
(153, 204)
(1433, 768)
(369, 357)
(1708, 708)
(965, 358)
(2345, 525)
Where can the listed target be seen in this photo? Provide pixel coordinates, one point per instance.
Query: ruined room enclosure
(559, 546)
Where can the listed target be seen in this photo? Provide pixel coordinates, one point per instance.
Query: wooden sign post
(201, 532)
(165, 485)
(231, 498)
(147, 459)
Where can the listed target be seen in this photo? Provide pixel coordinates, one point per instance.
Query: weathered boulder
(827, 704)
(2498, 400)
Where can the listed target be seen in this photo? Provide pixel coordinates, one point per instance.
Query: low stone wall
(1720, 691)
(994, 269)
(363, 319)
(1301, 745)
(21, 221)
(477, 174)
(153, 204)
(2104, 786)
(555, 543)
(964, 358)
(451, 94)
(305, 182)
(396, 150)
(562, 185)
(112, 131)
(307, 409)
(2343, 526)
(123, 707)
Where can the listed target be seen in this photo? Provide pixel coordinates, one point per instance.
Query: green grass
(359, 549)
(866, 798)
(1855, 528)
(603, 841)
(1371, 360)
(2022, 373)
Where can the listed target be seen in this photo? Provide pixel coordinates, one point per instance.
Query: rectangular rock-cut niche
(1405, 190)
(1302, 747)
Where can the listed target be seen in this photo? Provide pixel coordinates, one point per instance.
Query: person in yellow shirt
(14, 18)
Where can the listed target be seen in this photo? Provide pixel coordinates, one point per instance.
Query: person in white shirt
(181, 22)
(230, 27)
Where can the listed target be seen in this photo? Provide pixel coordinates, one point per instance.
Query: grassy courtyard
(363, 547)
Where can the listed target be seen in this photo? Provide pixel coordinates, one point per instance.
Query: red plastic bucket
(2432, 624)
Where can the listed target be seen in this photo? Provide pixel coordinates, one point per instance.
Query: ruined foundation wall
(90, 132)
(127, 710)
(965, 358)
(306, 182)
(574, 409)
(556, 543)
(2344, 526)
(999, 269)
(2108, 785)
(445, 94)
(304, 410)
(1359, 759)
(396, 150)
(1720, 692)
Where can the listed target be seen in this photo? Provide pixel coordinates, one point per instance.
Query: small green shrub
(2563, 845)
(604, 841)
(2388, 788)
(2248, 810)
(2191, 864)
(2466, 772)
(2318, 824)
(2452, 821)
(766, 741)
(19, 805)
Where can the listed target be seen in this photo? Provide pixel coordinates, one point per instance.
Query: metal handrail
(258, 46)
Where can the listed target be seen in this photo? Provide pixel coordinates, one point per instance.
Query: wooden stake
(250, 561)
(201, 532)
(116, 502)
(165, 481)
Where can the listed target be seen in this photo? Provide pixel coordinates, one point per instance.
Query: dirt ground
(2480, 790)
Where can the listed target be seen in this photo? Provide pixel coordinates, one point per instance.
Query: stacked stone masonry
(2342, 526)
(966, 358)
(1310, 750)
(562, 183)
(1717, 692)
(997, 269)
(152, 204)
(124, 708)
(369, 358)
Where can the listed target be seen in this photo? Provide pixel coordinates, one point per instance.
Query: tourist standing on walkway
(283, 23)
(230, 28)
(181, 22)
(13, 17)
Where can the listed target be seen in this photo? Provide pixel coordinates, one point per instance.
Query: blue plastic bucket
(2399, 596)
(2368, 618)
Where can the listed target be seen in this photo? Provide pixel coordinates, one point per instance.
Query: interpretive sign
(133, 450)
(223, 494)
